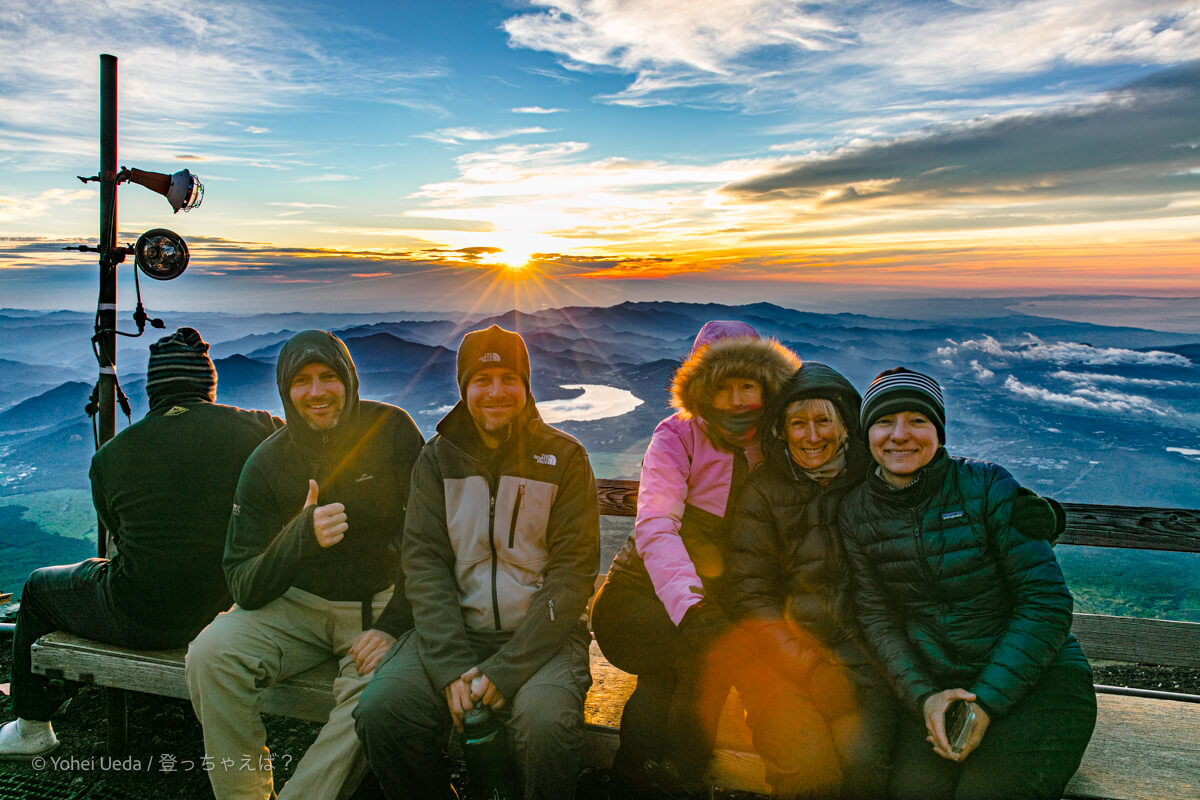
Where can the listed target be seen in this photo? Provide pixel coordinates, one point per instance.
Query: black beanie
(491, 347)
(901, 389)
(180, 370)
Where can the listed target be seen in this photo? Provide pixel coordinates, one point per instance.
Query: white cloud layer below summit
(1062, 353)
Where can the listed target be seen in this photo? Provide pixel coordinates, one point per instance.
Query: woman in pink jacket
(659, 613)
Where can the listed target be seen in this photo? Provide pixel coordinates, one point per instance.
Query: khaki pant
(240, 653)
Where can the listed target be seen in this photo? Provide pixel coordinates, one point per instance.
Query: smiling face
(813, 432)
(901, 443)
(318, 394)
(737, 394)
(495, 398)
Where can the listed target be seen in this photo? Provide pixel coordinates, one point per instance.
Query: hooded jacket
(690, 478)
(500, 547)
(364, 462)
(948, 593)
(788, 570)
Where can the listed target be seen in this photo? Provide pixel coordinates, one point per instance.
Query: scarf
(737, 428)
(830, 469)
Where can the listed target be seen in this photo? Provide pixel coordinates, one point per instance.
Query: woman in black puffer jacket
(958, 606)
(822, 717)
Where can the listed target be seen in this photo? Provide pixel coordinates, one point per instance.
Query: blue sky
(390, 155)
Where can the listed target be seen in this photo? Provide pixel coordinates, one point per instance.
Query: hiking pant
(674, 711)
(829, 736)
(1028, 754)
(72, 598)
(403, 721)
(240, 653)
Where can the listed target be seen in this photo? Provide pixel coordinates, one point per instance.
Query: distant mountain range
(1082, 411)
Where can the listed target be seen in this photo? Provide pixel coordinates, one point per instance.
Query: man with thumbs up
(311, 557)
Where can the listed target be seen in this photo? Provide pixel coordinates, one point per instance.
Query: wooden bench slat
(305, 696)
(1131, 526)
(1142, 748)
(1139, 639)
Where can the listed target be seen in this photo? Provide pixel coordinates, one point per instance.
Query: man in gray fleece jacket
(500, 551)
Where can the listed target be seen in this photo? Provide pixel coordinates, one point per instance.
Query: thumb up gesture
(329, 522)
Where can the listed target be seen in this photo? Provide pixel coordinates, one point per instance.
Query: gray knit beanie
(180, 370)
(901, 389)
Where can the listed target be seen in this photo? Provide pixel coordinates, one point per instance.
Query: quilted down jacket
(787, 566)
(949, 595)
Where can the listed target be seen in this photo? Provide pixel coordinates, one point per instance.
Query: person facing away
(162, 489)
(660, 612)
(959, 606)
(311, 555)
(501, 549)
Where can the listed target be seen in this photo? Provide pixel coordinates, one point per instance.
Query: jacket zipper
(512, 527)
(495, 557)
(921, 559)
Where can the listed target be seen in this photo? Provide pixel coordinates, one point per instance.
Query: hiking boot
(26, 739)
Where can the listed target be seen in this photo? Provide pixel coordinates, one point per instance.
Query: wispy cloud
(13, 208)
(537, 110)
(327, 177)
(1119, 380)
(1137, 141)
(1034, 349)
(1089, 399)
(774, 52)
(461, 135)
(180, 65)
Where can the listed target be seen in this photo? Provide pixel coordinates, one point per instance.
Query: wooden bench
(1146, 744)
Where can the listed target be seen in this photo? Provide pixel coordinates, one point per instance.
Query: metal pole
(106, 310)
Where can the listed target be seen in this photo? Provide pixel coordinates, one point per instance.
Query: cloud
(1087, 399)
(1034, 349)
(14, 208)
(461, 135)
(326, 177)
(981, 372)
(181, 66)
(772, 53)
(537, 110)
(300, 205)
(1118, 380)
(1138, 140)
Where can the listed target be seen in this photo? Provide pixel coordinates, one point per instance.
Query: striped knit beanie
(180, 370)
(900, 389)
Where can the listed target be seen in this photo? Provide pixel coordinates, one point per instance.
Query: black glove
(1038, 517)
(702, 626)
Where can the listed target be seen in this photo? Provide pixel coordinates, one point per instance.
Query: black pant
(1031, 752)
(674, 710)
(72, 598)
(828, 736)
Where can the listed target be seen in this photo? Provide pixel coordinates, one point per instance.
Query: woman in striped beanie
(970, 619)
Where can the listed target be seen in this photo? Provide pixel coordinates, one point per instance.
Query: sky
(394, 155)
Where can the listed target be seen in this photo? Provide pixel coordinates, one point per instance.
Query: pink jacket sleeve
(681, 467)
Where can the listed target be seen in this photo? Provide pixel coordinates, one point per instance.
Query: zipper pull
(551, 603)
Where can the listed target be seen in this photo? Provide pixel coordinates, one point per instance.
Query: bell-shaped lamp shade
(183, 190)
(161, 254)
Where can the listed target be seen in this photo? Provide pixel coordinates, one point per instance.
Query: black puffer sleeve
(1041, 604)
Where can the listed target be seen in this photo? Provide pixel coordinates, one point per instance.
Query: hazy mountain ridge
(1044, 396)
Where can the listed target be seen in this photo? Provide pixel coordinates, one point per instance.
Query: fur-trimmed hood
(742, 355)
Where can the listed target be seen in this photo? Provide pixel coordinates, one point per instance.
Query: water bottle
(485, 748)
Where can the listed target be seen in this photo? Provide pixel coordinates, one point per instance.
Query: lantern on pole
(159, 253)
